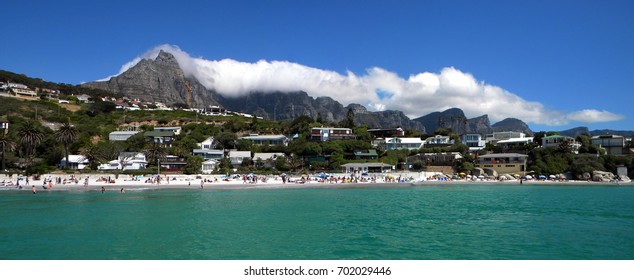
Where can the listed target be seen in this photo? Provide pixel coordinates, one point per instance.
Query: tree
(101, 107)
(349, 120)
(92, 154)
(194, 165)
(29, 137)
(227, 140)
(225, 165)
(8, 145)
(154, 152)
(66, 134)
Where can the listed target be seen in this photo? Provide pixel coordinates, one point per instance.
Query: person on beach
(202, 184)
(122, 190)
(34, 189)
(103, 189)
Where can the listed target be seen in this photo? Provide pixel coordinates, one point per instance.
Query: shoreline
(216, 182)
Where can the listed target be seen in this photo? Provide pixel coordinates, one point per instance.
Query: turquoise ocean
(392, 222)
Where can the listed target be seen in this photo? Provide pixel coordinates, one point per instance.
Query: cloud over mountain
(377, 88)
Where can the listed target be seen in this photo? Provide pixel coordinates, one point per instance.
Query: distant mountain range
(162, 80)
(574, 132)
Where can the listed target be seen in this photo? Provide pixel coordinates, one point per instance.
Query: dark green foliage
(585, 164)
(194, 165)
(227, 140)
(100, 107)
(546, 161)
(301, 125)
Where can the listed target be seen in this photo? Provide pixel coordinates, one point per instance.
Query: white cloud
(416, 96)
(594, 116)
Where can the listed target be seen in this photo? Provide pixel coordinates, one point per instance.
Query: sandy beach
(112, 183)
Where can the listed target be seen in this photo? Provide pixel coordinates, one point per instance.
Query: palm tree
(29, 136)
(93, 154)
(154, 152)
(7, 145)
(67, 134)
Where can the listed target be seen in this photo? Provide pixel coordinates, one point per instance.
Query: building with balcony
(399, 143)
(507, 163)
(473, 141)
(272, 140)
(370, 167)
(555, 141)
(165, 138)
(331, 133)
(514, 144)
(494, 137)
(209, 153)
(386, 132)
(438, 140)
(613, 144)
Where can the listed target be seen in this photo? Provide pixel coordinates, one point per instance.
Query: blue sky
(558, 57)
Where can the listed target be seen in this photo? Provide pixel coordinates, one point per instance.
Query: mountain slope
(456, 120)
(512, 124)
(159, 80)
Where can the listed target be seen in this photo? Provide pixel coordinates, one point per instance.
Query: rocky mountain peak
(512, 124)
(159, 80)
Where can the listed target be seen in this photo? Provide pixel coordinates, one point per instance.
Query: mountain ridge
(163, 80)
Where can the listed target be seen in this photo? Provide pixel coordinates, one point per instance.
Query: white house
(111, 165)
(84, 98)
(209, 153)
(126, 161)
(439, 140)
(473, 141)
(494, 137)
(554, 141)
(267, 139)
(237, 157)
(512, 143)
(398, 143)
(266, 159)
(121, 135)
(209, 166)
(77, 162)
(207, 144)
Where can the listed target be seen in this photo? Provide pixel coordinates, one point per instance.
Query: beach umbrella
(552, 176)
(283, 175)
(542, 177)
(528, 177)
(323, 175)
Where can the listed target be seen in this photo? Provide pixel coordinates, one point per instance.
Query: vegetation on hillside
(42, 133)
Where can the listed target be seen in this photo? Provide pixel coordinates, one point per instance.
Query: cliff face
(286, 106)
(456, 120)
(159, 80)
(511, 124)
